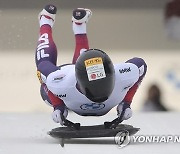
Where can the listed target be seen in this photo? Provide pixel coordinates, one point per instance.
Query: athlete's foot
(80, 18)
(47, 15)
(81, 15)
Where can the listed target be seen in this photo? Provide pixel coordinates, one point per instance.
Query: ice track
(26, 133)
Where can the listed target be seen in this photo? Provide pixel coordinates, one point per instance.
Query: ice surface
(26, 133)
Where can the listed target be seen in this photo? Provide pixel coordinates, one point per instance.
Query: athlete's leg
(46, 48)
(46, 52)
(79, 22)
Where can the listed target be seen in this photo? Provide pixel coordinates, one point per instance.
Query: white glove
(124, 110)
(56, 116)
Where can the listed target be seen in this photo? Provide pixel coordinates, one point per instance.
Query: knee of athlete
(141, 64)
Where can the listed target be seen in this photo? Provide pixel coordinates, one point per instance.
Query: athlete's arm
(123, 109)
(140, 63)
(56, 101)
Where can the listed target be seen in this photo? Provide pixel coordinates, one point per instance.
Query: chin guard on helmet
(95, 75)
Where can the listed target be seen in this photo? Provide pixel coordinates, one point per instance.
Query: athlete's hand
(124, 111)
(56, 115)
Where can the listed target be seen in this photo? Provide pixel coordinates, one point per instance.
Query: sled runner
(74, 130)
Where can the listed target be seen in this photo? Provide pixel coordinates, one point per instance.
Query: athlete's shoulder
(61, 73)
(61, 79)
(126, 69)
(126, 73)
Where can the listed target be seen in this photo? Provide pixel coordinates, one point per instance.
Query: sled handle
(74, 126)
(113, 124)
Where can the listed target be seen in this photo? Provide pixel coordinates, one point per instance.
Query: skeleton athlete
(91, 85)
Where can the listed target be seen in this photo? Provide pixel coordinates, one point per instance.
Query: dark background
(70, 4)
(115, 25)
